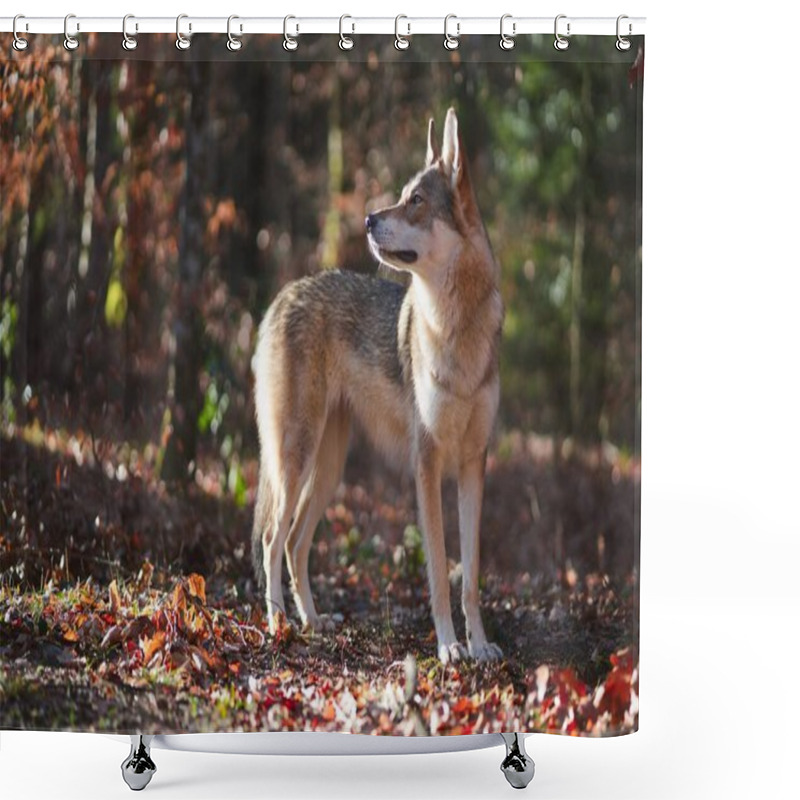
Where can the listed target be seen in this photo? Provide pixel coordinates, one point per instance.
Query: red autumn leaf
(463, 706)
(623, 660)
(284, 632)
(615, 697)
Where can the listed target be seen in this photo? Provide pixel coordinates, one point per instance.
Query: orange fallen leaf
(197, 587)
(179, 597)
(113, 596)
(463, 706)
(152, 646)
(144, 577)
(68, 634)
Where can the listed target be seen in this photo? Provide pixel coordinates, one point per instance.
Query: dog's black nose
(370, 221)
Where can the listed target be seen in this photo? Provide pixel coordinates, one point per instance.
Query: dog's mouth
(390, 256)
(405, 256)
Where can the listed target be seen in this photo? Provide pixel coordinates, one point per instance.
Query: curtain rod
(298, 25)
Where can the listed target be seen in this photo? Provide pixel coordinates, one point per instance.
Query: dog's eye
(416, 199)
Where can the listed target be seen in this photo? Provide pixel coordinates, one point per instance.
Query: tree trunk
(95, 254)
(184, 400)
(136, 271)
(576, 303)
(587, 334)
(275, 207)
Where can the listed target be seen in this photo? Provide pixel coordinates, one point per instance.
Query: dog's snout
(370, 221)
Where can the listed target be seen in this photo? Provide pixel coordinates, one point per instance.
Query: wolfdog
(416, 367)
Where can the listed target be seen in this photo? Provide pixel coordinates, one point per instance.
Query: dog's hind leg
(262, 516)
(294, 466)
(273, 539)
(291, 406)
(317, 493)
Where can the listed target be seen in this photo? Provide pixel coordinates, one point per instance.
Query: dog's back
(332, 340)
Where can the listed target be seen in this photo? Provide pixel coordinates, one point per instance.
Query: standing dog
(417, 368)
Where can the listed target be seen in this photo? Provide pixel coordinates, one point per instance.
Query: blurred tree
(187, 330)
(180, 221)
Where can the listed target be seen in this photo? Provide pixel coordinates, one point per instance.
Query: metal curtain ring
(450, 41)
(181, 41)
(70, 42)
(506, 41)
(623, 44)
(289, 42)
(19, 42)
(400, 42)
(234, 42)
(128, 42)
(561, 42)
(345, 42)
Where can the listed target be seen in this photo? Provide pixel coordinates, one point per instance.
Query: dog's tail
(261, 517)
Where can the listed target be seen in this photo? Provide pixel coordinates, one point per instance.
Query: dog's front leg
(429, 498)
(470, 497)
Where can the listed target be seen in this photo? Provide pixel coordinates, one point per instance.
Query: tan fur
(417, 369)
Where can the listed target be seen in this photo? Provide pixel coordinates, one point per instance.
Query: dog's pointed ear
(450, 144)
(455, 163)
(433, 148)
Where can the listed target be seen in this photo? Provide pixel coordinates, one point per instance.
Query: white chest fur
(459, 425)
(443, 413)
(452, 358)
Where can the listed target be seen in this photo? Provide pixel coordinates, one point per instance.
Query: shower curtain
(154, 202)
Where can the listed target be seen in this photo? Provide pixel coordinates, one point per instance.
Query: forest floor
(126, 607)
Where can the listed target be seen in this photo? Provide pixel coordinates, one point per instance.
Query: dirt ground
(126, 606)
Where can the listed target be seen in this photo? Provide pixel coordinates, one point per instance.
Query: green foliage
(116, 299)
(414, 550)
(215, 404)
(237, 486)
(9, 315)
(564, 141)
(354, 549)
(116, 304)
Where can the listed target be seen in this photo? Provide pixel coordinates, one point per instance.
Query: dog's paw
(321, 623)
(452, 652)
(278, 623)
(486, 651)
